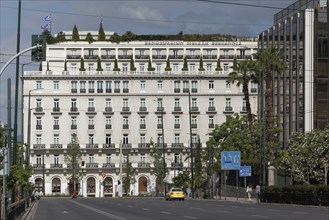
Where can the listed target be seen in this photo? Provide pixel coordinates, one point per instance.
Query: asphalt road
(156, 208)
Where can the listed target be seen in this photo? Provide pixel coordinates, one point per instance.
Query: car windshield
(176, 190)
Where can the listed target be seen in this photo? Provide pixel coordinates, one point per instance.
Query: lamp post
(191, 144)
(5, 173)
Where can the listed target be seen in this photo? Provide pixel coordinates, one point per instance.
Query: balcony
(91, 109)
(176, 90)
(211, 109)
(90, 57)
(56, 165)
(158, 145)
(73, 109)
(116, 90)
(91, 126)
(177, 165)
(177, 145)
(91, 165)
(39, 146)
(143, 109)
(186, 90)
(194, 125)
(194, 109)
(73, 57)
(56, 109)
(108, 165)
(91, 90)
(194, 90)
(228, 109)
(91, 146)
(160, 109)
(193, 57)
(177, 126)
(39, 109)
(108, 126)
(143, 165)
(253, 90)
(143, 145)
(108, 57)
(211, 125)
(108, 90)
(227, 57)
(244, 109)
(244, 57)
(108, 145)
(38, 165)
(56, 127)
(74, 126)
(74, 91)
(176, 57)
(38, 127)
(82, 90)
(99, 90)
(159, 57)
(125, 126)
(125, 57)
(209, 57)
(56, 146)
(126, 145)
(125, 109)
(142, 57)
(142, 126)
(177, 109)
(125, 90)
(159, 126)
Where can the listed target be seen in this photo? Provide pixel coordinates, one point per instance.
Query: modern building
(301, 95)
(140, 103)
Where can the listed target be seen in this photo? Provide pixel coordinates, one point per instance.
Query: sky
(236, 17)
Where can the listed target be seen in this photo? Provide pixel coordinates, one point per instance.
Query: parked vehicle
(175, 193)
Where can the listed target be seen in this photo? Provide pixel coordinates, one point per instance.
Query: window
(124, 67)
(108, 158)
(125, 139)
(56, 138)
(209, 67)
(108, 85)
(142, 138)
(90, 139)
(125, 103)
(194, 102)
(177, 84)
(90, 120)
(74, 68)
(108, 120)
(91, 84)
(73, 103)
(38, 103)
(225, 68)
(91, 158)
(177, 103)
(117, 85)
(56, 120)
(56, 159)
(175, 67)
(125, 158)
(38, 123)
(142, 85)
(38, 84)
(194, 120)
(195, 138)
(100, 86)
(160, 139)
(125, 85)
(73, 120)
(38, 160)
(142, 103)
(177, 158)
(211, 84)
(160, 85)
(177, 121)
(56, 103)
(107, 103)
(228, 102)
(108, 139)
(142, 67)
(159, 120)
(125, 120)
(56, 85)
(211, 102)
(142, 158)
(91, 68)
(142, 120)
(192, 67)
(158, 67)
(91, 103)
(107, 67)
(159, 101)
(228, 85)
(186, 85)
(211, 121)
(82, 85)
(74, 85)
(39, 139)
(177, 138)
(194, 85)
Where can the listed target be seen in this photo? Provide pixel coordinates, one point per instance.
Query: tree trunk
(268, 109)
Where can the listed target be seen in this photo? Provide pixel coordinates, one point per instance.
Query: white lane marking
(99, 211)
(274, 210)
(146, 209)
(222, 211)
(186, 216)
(65, 212)
(260, 216)
(235, 206)
(130, 206)
(167, 213)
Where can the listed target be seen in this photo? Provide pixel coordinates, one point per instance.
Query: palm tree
(269, 62)
(243, 73)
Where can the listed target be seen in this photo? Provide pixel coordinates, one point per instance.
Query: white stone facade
(108, 109)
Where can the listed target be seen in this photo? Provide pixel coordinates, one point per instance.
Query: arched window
(38, 183)
(91, 185)
(56, 185)
(142, 184)
(108, 185)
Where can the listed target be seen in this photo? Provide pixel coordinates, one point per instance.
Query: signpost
(244, 172)
(231, 160)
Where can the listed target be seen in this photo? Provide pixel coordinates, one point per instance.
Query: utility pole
(120, 166)
(191, 144)
(163, 153)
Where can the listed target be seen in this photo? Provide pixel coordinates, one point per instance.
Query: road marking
(301, 213)
(274, 210)
(130, 206)
(234, 206)
(146, 209)
(186, 216)
(99, 211)
(65, 212)
(222, 211)
(167, 213)
(260, 216)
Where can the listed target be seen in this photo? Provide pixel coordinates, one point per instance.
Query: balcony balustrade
(82, 90)
(91, 90)
(74, 126)
(142, 57)
(108, 145)
(228, 109)
(194, 109)
(56, 165)
(176, 57)
(38, 127)
(177, 109)
(177, 145)
(209, 57)
(211, 125)
(108, 165)
(56, 109)
(108, 57)
(159, 57)
(143, 109)
(91, 146)
(194, 125)
(38, 109)
(142, 126)
(74, 109)
(74, 91)
(143, 145)
(91, 165)
(143, 165)
(56, 146)
(38, 165)
(211, 109)
(177, 126)
(90, 57)
(159, 126)
(126, 145)
(125, 126)
(73, 57)
(108, 126)
(91, 109)
(56, 127)
(125, 57)
(91, 126)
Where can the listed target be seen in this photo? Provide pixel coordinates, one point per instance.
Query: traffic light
(38, 54)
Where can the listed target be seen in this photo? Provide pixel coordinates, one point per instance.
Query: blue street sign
(245, 171)
(230, 160)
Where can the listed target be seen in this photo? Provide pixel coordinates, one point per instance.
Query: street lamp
(28, 147)
(191, 144)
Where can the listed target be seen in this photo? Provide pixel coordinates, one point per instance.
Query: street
(157, 208)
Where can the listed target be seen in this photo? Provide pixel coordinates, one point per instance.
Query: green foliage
(116, 68)
(128, 36)
(201, 68)
(168, 68)
(132, 65)
(306, 155)
(129, 177)
(2, 143)
(60, 37)
(149, 66)
(49, 38)
(182, 180)
(235, 64)
(115, 38)
(82, 65)
(101, 33)
(99, 65)
(158, 164)
(75, 34)
(18, 176)
(89, 38)
(185, 68)
(73, 160)
(218, 67)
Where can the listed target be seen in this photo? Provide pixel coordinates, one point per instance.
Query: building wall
(204, 86)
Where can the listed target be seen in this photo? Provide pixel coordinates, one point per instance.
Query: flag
(46, 23)
(45, 26)
(48, 17)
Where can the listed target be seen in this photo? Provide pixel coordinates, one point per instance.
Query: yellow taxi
(175, 193)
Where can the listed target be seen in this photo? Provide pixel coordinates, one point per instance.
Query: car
(175, 193)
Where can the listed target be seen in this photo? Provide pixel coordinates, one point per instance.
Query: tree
(268, 62)
(185, 68)
(116, 68)
(306, 156)
(201, 68)
(65, 65)
(115, 38)
(73, 159)
(128, 36)
(48, 65)
(101, 33)
(218, 67)
(149, 66)
(18, 178)
(242, 74)
(89, 38)
(132, 65)
(40, 66)
(168, 68)
(82, 65)
(75, 34)
(99, 65)
(158, 171)
(182, 180)
(198, 169)
(130, 176)
(60, 37)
